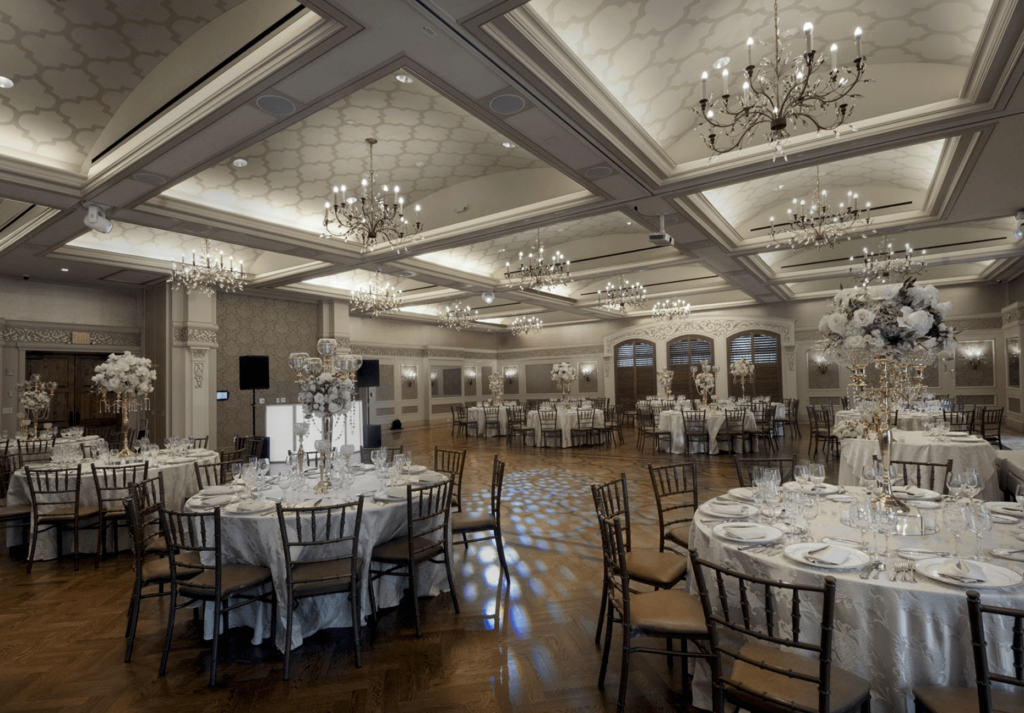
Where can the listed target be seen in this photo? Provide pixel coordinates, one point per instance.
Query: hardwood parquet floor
(528, 647)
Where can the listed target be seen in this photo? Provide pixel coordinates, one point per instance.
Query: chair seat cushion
(959, 700)
(68, 513)
(661, 569)
(14, 512)
(472, 521)
(667, 611)
(316, 578)
(397, 550)
(848, 690)
(158, 569)
(679, 535)
(234, 578)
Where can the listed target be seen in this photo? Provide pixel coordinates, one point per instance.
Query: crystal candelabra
(622, 297)
(815, 223)
(535, 272)
(667, 311)
(35, 396)
(704, 377)
(207, 273)
(376, 297)
(125, 401)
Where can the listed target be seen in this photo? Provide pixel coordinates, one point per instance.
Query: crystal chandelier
(526, 324)
(376, 297)
(368, 218)
(534, 272)
(207, 273)
(781, 90)
(667, 311)
(884, 264)
(456, 316)
(813, 222)
(622, 297)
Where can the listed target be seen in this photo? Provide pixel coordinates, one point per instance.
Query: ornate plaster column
(1013, 336)
(191, 372)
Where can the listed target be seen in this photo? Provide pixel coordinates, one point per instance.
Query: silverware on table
(880, 569)
(869, 570)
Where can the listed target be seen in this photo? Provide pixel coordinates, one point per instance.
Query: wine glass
(263, 465)
(955, 519)
(810, 511)
(817, 474)
(862, 520)
(954, 485)
(800, 474)
(979, 522)
(970, 483)
(885, 524)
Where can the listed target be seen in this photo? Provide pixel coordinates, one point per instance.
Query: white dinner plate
(914, 493)
(728, 510)
(217, 490)
(747, 533)
(251, 507)
(429, 478)
(414, 469)
(800, 552)
(1010, 553)
(214, 501)
(1004, 508)
(746, 494)
(822, 489)
(995, 575)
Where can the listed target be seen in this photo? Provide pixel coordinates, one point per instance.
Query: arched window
(635, 372)
(763, 349)
(683, 353)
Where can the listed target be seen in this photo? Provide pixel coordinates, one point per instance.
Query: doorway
(73, 403)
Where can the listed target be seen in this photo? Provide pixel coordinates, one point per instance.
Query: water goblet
(954, 485)
(811, 509)
(817, 474)
(800, 474)
(954, 517)
(970, 483)
(885, 521)
(979, 522)
(862, 520)
(772, 474)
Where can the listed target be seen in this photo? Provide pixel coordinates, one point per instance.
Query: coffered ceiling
(564, 121)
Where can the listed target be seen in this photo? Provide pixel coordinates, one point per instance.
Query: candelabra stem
(886, 392)
(126, 451)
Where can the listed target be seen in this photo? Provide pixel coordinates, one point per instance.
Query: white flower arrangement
(665, 377)
(887, 320)
(496, 384)
(563, 373)
(742, 369)
(849, 428)
(34, 400)
(125, 373)
(326, 395)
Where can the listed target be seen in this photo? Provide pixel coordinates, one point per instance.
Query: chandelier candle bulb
(704, 87)
(809, 34)
(857, 36)
(833, 50)
(725, 82)
(750, 55)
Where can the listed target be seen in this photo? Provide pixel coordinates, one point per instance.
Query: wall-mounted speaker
(253, 372)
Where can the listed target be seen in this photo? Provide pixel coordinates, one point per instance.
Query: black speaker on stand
(253, 374)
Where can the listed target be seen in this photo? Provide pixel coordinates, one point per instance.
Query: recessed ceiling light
(6, 83)
(508, 144)
(404, 78)
(239, 163)
(64, 269)
(721, 64)
(629, 222)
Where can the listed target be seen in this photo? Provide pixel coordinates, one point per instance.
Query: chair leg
(607, 648)
(624, 676)
(451, 580)
(216, 641)
(133, 620)
(501, 555)
(601, 612)
(170, 630)
(32, 546)
(357, 615)
(415, 597)
(288, 636)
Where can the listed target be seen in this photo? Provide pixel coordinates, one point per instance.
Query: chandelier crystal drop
(622, 297)
(667, 311)
(885, 265)
(526, 324)
(814, 222)
(456, 316)
(377, 296)
(534, 272)
(786, 88)
(207, 273)
(369, 216)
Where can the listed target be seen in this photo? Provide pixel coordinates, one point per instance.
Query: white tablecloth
(476, 413)
(567, 420)
(916, 446)
(896, 635)
(673, 421)
(179, 485)
(256, 539)
(907, 421)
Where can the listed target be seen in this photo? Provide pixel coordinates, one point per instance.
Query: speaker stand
(254, 412)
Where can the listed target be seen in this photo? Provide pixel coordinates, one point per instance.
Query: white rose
(837, 323)
(854, 341)
(918, 323)
(941, 308)
(862, 318)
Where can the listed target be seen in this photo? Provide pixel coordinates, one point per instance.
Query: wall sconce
(433, 376)
(974, 355)
(510, 373)
(822, 363)
(409, 375)
(587, 370)
(470, 375)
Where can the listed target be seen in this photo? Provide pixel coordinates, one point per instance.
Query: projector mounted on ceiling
(661, 238)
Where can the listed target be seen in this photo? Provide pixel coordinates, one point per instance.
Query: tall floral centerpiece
(741, 370)
(35, 396)
(897, 326)
(704, 377)
(327, 385)
(496, 384)
(665, 377)
(124, 382)
(563, 375)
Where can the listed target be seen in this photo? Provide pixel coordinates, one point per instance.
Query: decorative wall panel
(1013, 362)
(1013, 405)
(980, 374)
(818, 379)
(410, 409)
(587, 385)
(452, 380)
(410, 387)
(538, 380)
(386, 390)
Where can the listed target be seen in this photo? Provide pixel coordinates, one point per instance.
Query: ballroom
(516, 257)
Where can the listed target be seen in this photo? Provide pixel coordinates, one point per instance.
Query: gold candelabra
(125, 401)
(35, 396)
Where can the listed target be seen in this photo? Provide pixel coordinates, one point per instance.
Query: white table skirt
(916, 446)
(256, 539)
(476, 413)
(179, 485)
(907, 421)
(896, 635)
(673, 421)
(567, 420)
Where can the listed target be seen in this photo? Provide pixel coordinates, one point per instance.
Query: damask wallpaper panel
(386, 390)
(258, 326)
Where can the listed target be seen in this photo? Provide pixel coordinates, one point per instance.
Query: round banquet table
(476, 413)
(256, 539)
(179, 484)
(897, 635)
(566, 421)
(673, 421)
(973, 452)
(906, 420)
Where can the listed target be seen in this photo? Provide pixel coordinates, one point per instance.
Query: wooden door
(73, 400)
(87, 404)
(56, 368)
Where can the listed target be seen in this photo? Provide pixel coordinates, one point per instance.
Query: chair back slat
(326, 533)
(616, 572)
(113, 482)
(209, 474)
(198, 533)
(548, 419)
(675, 493)
(497, 482)
(1002, 618)
(428, 510)
(745, 468)
(611, 500)
(54, 486)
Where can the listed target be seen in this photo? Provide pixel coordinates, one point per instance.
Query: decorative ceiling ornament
(526, 324)
(207, 273)
(781, 90)
(667, 311)
(456, 316)
(534, 272)
(815, 223)
(368, 219)
(885, 264)
(622, 297)
(376, 297)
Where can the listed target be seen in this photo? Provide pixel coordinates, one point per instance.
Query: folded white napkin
(735, 509)
(915, 493)
(827, 554)
(963, 571)
(252, 506)
(217, 490)
(211, 501)
(747, 531)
